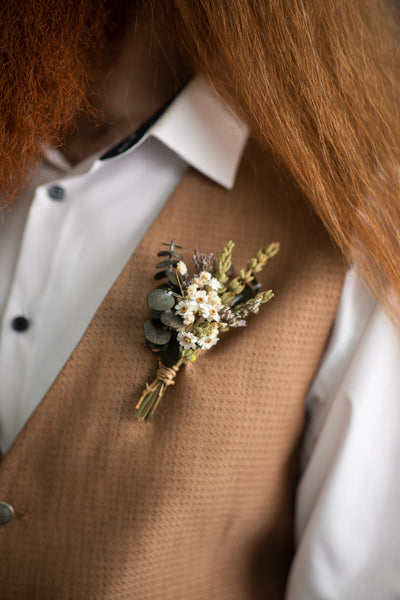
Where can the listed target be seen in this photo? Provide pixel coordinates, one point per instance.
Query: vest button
(6, 513)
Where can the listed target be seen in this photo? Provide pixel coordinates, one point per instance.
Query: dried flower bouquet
(189, 313)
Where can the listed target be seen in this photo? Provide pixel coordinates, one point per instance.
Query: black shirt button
(20, 324)
(6, 513)
(56, 192)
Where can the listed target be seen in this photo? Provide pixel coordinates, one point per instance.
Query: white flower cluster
(189, 341)
(201, 300)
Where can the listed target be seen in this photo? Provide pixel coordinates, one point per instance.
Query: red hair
(319, 84)
(47, 49)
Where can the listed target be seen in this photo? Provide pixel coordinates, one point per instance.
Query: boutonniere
(190, 312)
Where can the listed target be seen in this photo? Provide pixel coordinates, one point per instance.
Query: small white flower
(187, 340)
(208, 342)
(212, 314)
(191, 291)
(214, 284)
(200, 297)
(185, 306)
(214, 329)
(188, 319)
(197, 282)
(214, 299)
(204, 310)
(181, 268)
(204, 277)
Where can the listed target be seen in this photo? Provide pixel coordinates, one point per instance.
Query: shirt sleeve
(347, 504)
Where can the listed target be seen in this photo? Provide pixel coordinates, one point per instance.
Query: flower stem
(153, 393)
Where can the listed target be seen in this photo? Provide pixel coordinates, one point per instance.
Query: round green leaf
(155, 333)
(160, 299)
(171, 319)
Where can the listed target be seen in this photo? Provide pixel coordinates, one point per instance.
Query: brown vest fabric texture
(199, 503)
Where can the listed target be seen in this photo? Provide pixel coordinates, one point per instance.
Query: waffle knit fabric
(199, 503)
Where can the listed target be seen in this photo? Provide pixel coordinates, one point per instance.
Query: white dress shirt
(347, 510)
(65, 242)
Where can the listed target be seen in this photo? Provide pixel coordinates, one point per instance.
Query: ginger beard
(47, 50)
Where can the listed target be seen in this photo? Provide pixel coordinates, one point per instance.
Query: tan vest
(199, 503)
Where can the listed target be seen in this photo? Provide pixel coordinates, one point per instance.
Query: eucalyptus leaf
(164, 286)
(160, 299)
(171, 245)
(164, 253)
(166, 263)
(155, 333)
(172, 276)
(170, 318)
(160, 275)
(176, 255)
(156, 314)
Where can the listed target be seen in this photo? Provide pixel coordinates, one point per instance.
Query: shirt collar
(204, 132)
(196, 125)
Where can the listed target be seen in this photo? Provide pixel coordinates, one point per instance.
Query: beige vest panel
(199, 503)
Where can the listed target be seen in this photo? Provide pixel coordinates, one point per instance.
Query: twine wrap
(167, 374)
(151, 396)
